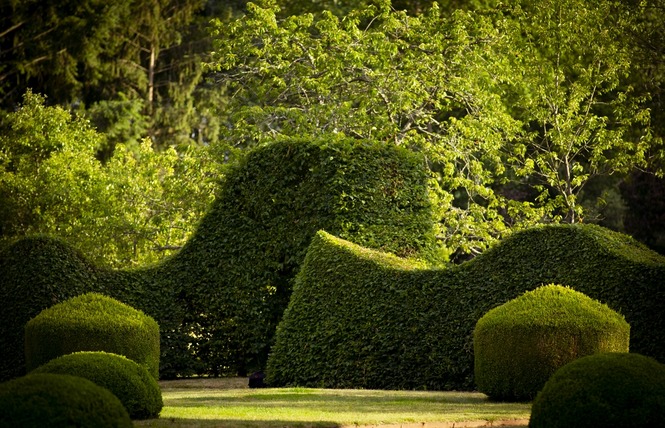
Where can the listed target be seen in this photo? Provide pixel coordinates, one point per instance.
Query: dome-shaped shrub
(129, 381)
(92, 322)
(521, 343)
(54, 401)
(603, 390)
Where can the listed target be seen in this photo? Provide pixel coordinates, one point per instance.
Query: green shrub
(219, 299)
(55, 401)
(35, 273)
(138, 391)
(520, 344)
(355, 320)
(610, 390)
(92, 322)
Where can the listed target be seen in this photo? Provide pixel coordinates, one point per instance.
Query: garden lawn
(229, 403)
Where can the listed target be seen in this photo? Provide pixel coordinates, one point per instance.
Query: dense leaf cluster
(359, 318)
(234, 275)
(219, 299)
(517, 346)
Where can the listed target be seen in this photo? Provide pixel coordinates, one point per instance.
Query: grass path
(229, 403)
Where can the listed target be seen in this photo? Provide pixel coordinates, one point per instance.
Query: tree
(430, 83)
(135, 209)
(580, 112)
(58, 48)
(133, 66)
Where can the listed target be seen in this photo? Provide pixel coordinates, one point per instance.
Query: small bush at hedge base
(613, 390)
(521, 343)
(130, 382)
(54, 401)
(92, 322)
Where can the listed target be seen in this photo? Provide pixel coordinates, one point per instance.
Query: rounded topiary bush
(521, 343)
(52, 400)
(129, 381)
(92, 322)
(609, 390)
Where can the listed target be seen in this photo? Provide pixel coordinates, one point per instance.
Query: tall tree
(56, 47)
(133, 65)
(582, 116)
(430, 83)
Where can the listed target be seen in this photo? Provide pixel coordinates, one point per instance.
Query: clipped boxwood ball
(92, 322)
(612, 390)
(52, 400)
(521, 343)
(129, 381)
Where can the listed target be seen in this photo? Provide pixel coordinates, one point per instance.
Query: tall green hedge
(235, 273)
(359, 318)
(36, 273)
(219, 299)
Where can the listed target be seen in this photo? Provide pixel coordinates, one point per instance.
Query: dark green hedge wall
(235, 274)
(358, 318)
(219, 299)
(36, 273)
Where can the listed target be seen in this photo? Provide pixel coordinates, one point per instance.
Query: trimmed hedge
(138, 391)
(520, 344)
(59, 401)
(355, 320)
(92, 322)
(612, 390)
(220, 298)
(235, 274)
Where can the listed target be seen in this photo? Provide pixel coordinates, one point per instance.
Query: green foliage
(234, 275)
(59, 401)
(603, 390)
(520, 344)
(219, 299)
(135, 65)
(581, 118)
(92, 322)
(429, 82)
(138, 391)
(37, 273)
(132, 210)
(356, 321)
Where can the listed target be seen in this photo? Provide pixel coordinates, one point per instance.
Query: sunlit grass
(186, 405)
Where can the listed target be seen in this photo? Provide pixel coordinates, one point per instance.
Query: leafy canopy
(129, 211)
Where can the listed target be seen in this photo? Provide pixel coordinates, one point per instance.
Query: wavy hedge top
(355, 321)
(219, 299)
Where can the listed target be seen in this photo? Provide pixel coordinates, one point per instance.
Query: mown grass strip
(188, 404)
